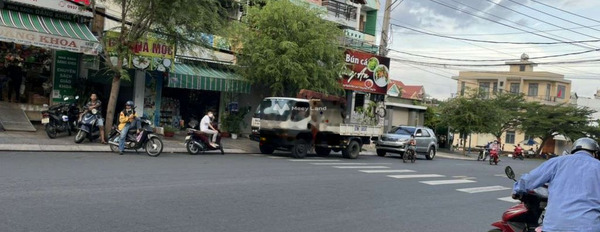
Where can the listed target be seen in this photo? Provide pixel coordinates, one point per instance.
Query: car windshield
(275, 109)
(257, 112)
(402, 131)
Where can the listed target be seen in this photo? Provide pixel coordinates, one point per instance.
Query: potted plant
(233, 122)
(169, 131)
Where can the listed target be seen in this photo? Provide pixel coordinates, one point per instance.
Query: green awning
(29, 29)
(187, 76)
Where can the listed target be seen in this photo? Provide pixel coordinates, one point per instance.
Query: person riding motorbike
(518, 151)
(573, 186)
(94, 103)
(412, 144)
(207, 128)
(127, 120)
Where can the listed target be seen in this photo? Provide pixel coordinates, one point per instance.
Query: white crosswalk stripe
(386, 171)
(349, 163)
(312, 160)
(509, 199)
(360, 167)
(483, 189)
(415, 176)
(439, 182)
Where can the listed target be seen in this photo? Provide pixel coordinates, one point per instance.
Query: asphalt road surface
(176, 192)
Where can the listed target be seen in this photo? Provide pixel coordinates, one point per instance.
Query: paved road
(174, 192)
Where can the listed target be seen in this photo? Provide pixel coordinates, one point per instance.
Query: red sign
(84, 2)
(366, 72)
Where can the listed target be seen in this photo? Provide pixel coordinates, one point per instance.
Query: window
(522, 68)
(300, 111)
(361, 25)
(548, 87)
(510, 137)
(462, 88)
(560, 93)
(495, 87)
(402, 130)
(533, 90)
(484, 89)
(515, 88)
(359, 101)
(425, 133)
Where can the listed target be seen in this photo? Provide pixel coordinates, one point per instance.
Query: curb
(83, 148)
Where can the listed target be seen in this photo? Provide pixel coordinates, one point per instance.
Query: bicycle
(409, 154)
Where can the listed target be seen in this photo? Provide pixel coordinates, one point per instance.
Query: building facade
(543, 87)
(403, 105)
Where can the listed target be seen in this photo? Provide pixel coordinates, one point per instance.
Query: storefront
(46, 41)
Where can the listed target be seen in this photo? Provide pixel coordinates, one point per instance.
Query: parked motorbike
(146, 139)
(527, 215)
(494, 157)
(197, 142)
(87, 126)
(61, 118)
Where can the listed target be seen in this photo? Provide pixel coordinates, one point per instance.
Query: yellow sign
(149, 53)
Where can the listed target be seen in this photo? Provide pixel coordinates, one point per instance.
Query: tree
(504, 112)
(178, 22)
(287, 47)
(546, 121)
(432, 117)
(464, 115)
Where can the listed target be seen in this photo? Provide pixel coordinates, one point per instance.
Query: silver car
(396, 141)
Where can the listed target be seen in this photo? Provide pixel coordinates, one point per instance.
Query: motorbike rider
(573, 186)
(207, 128)
(95, 103)
(127, 120)
(518, 150)
(412, 144)
(494, 147)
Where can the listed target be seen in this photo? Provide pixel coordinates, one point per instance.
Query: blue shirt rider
(573, 186)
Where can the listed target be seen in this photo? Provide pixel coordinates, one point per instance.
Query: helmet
(587, 144)
(129, 103)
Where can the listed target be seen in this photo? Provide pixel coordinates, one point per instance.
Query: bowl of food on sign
(369, 83)
(141, 62)
(166, 63)
(372, 64)
(381, 76)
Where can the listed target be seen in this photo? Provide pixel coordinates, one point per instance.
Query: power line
(568, 12)
(512, 33)
(551, 15)
(489, 60)
(497, 42)
(491, 65)
(504, 24)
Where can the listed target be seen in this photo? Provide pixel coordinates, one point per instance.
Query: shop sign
(58, 5)
(44, 12)
(366, 72)
(217, 42)
(66, 66)
(149, 53)
(25, 37)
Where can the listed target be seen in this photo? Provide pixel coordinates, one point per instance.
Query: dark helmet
(586, 144)
(129, 103)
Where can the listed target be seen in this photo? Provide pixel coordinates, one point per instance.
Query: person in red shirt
(518, 150)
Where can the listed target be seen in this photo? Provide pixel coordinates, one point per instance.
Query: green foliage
(504, 111)
(233, 122)
(432, 117)
(368, 116)
(169, 129)
(287, 47)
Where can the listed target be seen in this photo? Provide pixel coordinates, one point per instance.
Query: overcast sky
(429, 16)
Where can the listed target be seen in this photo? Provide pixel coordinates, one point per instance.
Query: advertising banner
(25, 37)
(149, 53)
(59, 5)
(366, 72)
(66, 67)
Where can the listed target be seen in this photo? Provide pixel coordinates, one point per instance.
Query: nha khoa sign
(48, 41)
(366, 72)
(149, 53)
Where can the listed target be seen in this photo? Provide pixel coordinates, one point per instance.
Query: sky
(538, 23)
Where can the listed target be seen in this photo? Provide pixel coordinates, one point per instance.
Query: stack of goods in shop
(169, 112)
(35, 63)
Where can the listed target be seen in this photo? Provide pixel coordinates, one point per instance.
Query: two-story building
(543, 87)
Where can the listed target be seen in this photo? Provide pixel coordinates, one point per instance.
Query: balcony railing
(341, 10)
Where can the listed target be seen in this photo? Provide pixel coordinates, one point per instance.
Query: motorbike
(60, 118)
(87, 127)
(483, 154)
(197, 142)
(409, 155)
(518, 154)
(146, 139)
(527, 215)
(493, 156)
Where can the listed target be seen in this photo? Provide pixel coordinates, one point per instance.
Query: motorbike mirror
(510, 173)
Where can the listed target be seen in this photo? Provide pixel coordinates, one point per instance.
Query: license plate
(188, 137)
(255, 122)
(45, 120)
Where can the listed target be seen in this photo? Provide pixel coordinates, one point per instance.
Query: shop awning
(204, 78)
(29, 29)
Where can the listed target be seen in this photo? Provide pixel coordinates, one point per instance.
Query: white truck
(312, 120)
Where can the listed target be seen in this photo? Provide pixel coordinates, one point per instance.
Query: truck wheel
(381, 153)
(300, 149)
(266, 149)
(321, 151)
(352, 151)
(430, 154)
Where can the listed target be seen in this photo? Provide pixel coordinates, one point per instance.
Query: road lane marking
(415, 176)
(276, 157)
(483, 189)
(312, 160)
(509, 199)
(439, 182)
(349, 163)
(360, 167)
(386, 171)
(500, 175)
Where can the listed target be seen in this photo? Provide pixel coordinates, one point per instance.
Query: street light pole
(385, 28)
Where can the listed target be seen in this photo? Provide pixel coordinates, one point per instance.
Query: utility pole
(385, 28)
